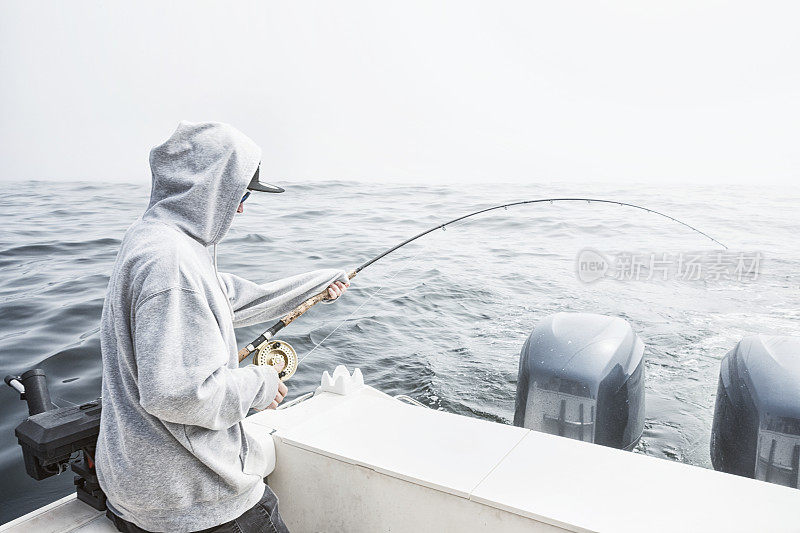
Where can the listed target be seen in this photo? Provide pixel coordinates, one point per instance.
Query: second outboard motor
(581, 376)
(756, 429)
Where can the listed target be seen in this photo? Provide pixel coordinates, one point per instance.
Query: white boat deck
(365, 462)
(65, 515)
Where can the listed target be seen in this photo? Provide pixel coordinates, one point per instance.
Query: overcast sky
(426, 91)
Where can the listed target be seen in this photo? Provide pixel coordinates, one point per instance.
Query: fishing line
(351, 315)
(281, 354)
(407, 263)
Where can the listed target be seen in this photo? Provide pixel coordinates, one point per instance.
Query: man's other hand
(336, 289)
(282, 391)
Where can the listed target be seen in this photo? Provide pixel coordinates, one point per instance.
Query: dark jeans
(261, 518)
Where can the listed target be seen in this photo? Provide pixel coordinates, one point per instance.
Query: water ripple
(447, 329)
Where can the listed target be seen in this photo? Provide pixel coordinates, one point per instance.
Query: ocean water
(441, 320)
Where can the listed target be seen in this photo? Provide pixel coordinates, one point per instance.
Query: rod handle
(303, 307)
(286, 320)
(311, 302)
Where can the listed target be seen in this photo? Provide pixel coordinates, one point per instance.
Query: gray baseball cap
(256, 185)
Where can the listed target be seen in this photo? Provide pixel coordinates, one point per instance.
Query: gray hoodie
(172, 454)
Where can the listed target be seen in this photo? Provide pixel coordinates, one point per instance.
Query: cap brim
(264, 187)
(256, 185)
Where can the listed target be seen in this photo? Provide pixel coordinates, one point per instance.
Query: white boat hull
(357, 460)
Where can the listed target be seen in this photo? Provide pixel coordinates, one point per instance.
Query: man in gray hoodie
(172, 454)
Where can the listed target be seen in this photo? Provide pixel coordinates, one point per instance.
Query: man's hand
(336, 289)
(282, 391)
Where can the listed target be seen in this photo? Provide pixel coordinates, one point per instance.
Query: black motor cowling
(756, 429)
(581, 376)
(56, 438)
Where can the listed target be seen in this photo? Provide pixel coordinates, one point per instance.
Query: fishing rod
(281, 355)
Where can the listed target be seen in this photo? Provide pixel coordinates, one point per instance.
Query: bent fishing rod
(283, 356)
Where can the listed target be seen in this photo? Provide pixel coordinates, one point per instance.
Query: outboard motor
(756, 429)
(581, 376)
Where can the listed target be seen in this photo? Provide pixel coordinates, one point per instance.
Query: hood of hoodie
(199, 176)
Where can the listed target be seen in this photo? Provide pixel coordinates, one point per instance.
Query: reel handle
(286, 320)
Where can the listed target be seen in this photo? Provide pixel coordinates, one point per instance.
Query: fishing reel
(277, 354)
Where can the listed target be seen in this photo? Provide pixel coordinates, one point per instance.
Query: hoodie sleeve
(253, 303)
(182, 359)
